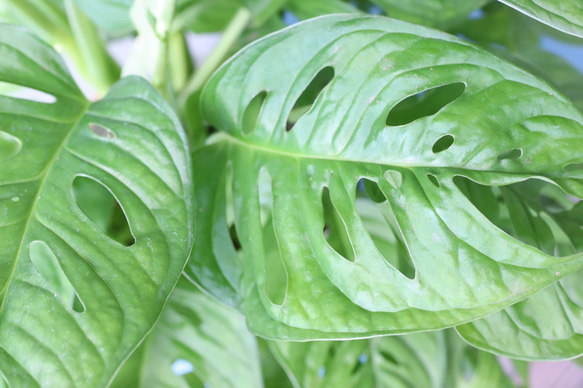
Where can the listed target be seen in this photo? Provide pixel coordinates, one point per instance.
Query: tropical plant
(392, 182)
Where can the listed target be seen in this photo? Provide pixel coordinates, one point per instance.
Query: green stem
(231, 34)
(161, 78)
(97, 65)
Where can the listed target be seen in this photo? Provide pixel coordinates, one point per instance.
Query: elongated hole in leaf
(230, 210)
(336, 234)
(573, 167)
(433, 179)
(309, 96)
(382, 227)
(101, 131)
(534, 212)
(276, 280)
(101, 207)
(512, 154)
(9, 146)
(46, 263)
(24, 93)
(442, 144)
(252, 113)
(423, 104)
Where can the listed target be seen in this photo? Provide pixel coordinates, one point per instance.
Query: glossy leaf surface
(74, 302)
(465, 265)
(196, 341)
(564, 15)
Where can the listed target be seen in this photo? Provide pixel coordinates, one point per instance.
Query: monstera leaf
(564, 15)
(75, 301)
(434, 359)
(196, 340)
(419, 118)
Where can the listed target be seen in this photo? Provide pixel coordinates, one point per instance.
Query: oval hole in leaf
(512, 154)
(382, 227)
(46, 263)
(373, 191)
(101, 207)
(101, 131)
(252, 113)
(573, 167)
(276, 280)
(9, 145)
(335, 231)
(423, 104)
(309, 95)
(181, 367)
(442, 144)
(534, 212)
(24, 93)
(433, 179)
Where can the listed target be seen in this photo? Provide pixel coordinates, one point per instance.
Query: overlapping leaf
(432, 360)
(433, 13)
(74, 302)
(564, 15)
(499, 126)
(196, 340)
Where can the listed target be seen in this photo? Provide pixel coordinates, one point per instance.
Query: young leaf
(466, 266)
(564, 15)
(74, 302)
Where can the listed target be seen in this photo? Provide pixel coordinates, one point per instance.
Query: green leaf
(564, 15)
(196, 339)
(522, 40)
(205, 16)
(310, 9)
(465, 265)
(548, 324)
(432, 360)
(434, 13)
(74, 302)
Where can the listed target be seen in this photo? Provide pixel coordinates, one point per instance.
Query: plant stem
(231, 34)
(98, 67)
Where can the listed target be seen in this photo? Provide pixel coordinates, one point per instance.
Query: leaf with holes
(196, 339)
(547, 325)
(564, 15)
(94, 204)
(416, 113)
(433, 360)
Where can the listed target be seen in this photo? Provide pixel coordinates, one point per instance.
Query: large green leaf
(501, 130)
(74, 302)
(196, 340)
(112, 16)
(564, 15)
(429, 360)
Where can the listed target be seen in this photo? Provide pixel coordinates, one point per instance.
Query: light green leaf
(205, 16)
(196, 339)
(465, 265)
(429, 360)
(74, 302)
(433, 13)
(564, 15)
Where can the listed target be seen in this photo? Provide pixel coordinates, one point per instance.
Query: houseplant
(367, 177)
